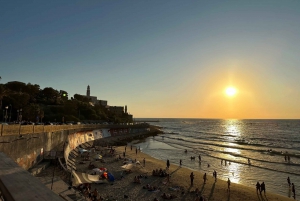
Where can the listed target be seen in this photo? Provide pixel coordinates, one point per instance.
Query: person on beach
(215, 175)
(199, 158)
(180, 162)
(125, 148)
(168, 164)
(124, 154)
(131, 147)
(204, 178)
(192, 178)
(257, 187)
(144, 162)
(289, 181)
(293, 191)
(228, 185)
(263, 188)
(136, 150)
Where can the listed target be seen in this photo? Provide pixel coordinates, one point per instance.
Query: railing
(30, 129)
(16, 129)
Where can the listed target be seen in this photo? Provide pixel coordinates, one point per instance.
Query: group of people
(261, 187)
(293, 187)
(85, 189)
(159, 172)
(151, 188)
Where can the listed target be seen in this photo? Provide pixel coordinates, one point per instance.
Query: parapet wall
(31, 129)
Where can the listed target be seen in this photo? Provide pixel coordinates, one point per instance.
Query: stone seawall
(29, 148)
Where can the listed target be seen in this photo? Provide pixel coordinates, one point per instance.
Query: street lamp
(10, 112)
(20, 115)
(6, 113)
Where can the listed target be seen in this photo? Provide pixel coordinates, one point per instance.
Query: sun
(230, 91)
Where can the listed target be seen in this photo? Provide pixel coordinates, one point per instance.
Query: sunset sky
(161, 58)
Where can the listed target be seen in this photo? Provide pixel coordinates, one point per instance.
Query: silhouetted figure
(199, 158)
(180, 162)
(228, 185)
(204, 178)
(192, 178)
(144, 162)
(136, 150)
(289, 159)
(289, 181)
(257, 187)
(249, 162)
(263, 188)
(131, 147)
(168, 164)
(293, 190)
(285, 158)
(124, 154)
(221, 161)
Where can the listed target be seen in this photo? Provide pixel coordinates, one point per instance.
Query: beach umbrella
(127, 166)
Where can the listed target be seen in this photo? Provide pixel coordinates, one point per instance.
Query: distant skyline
(163, 59)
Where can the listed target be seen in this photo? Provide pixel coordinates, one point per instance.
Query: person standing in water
(168, 164)
(293, 191)
(289, 181)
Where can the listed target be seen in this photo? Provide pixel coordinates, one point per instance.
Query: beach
(125, 189)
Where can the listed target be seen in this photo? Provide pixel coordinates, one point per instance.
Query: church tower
(88, 93)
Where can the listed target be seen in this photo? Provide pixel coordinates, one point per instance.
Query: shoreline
(180, 176)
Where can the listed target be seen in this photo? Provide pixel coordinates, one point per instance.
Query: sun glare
(230, 91)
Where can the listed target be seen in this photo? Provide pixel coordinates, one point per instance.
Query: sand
(180, 176)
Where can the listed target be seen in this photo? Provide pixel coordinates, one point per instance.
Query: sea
(255, 150)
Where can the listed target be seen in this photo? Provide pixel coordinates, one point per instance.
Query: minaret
(125, 108)
(88, 93)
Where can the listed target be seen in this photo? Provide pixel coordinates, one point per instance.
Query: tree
(50, 94)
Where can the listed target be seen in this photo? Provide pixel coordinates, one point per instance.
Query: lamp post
(10, 112)
(18, 112)
(20, 115)
(6, 113)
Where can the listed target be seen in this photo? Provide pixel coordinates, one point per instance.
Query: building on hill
(118, 110)
(94, 99)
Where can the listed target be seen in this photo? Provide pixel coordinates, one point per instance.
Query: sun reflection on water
(233, 129)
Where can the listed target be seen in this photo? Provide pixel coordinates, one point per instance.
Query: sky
(161, 58)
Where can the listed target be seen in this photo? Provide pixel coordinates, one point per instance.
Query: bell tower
(88, 92)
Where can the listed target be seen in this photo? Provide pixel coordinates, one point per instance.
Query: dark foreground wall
(16, 184)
